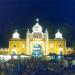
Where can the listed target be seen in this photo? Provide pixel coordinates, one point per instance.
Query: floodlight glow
(7, 57)
(51, 45)
(60, 49)
(22, 56)
(15, 57)
(59, 57)
(23, 46)
(14, 49)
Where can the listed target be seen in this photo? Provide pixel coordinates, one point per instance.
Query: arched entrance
(37, 51)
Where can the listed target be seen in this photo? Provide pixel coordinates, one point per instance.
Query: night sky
(21, 14)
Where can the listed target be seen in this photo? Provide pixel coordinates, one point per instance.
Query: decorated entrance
(37, 51)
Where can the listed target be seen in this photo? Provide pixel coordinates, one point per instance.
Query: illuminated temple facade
(34, 38)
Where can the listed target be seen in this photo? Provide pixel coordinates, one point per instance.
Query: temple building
(36, 41)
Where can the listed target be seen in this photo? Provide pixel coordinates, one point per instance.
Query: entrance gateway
(37, 51)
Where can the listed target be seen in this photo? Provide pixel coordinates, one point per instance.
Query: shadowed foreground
(34, 67)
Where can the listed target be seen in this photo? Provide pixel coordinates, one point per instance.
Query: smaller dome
(37, 27)
(16, 35)
(58, 35)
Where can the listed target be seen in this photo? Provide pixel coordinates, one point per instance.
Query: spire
(28, 33)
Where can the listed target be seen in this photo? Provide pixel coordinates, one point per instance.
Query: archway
(37, 51)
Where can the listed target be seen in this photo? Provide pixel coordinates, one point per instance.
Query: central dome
(37, 27)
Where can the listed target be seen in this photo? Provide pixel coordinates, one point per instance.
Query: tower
(14, 43)
(36, 37)
(46, 42)
(60, 43)
(28, 42)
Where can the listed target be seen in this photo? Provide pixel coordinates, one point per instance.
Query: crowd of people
(31, 66)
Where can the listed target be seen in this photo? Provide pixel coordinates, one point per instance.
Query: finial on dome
(37, 20)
